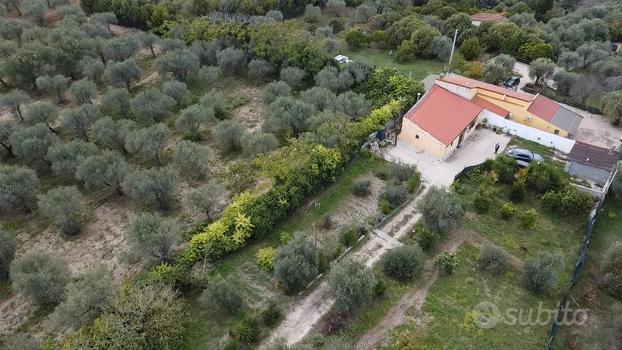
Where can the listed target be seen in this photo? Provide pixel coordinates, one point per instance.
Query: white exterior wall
(457, 89)
(544, 138)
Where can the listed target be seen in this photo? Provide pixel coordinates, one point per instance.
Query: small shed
(481, 17)
(343, 59)
(591, 163)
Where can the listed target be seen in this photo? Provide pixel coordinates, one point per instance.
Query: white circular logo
(487, 315)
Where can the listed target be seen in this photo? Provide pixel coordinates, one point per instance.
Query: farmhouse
(448, 113)
(535, 111)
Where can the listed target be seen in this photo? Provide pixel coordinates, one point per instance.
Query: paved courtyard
(475, 150)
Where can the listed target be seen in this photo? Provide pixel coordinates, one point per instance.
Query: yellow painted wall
(518, 109)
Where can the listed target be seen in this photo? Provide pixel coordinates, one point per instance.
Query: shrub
(447, 262)
(403, 263)
(541, 272)
(402, 172)
(505, 167)
(352, 284)
(8, 245)
(568, 201)
(271, 315)
(413, 183)
(361, 188)
(40, 277)
(222, 296)
(544, 177)
(350, 235)
(507, 210)
(426, 238)
(245, 331)
(394, 196)
(493, 259)
(333, 323)
(441, 211)
(611, 270)
(483, 200)
(517, 193)
(382, 173)
(528, 218)
(296, 264)
(265, 258)
(380, 289)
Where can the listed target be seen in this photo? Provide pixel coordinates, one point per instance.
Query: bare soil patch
(250, 113)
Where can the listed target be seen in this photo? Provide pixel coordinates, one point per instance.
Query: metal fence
(580, 262)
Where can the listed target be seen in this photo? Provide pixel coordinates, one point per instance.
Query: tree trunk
(127, 85)
(152, 52)
(19, 12)
(4, 83)
(52, 129)
(9, 149)
(19, 113)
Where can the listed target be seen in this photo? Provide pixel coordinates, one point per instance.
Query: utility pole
(453, 47)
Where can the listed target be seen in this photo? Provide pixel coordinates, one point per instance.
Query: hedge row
(296, 171)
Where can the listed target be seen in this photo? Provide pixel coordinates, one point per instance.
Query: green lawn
(205, 330)
(450, 307)
(381, 58)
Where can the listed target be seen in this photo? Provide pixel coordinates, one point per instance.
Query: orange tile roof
(543, 107)
(443, 114)
(472, 83)
(487, 16)
(484, 103)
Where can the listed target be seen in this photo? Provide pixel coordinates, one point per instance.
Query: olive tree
(541, 272)
(612, 106)
(332, 79)
(40, 112)
(107, 170)
(116, 102)
(149, 142)
(221, 295)
(364, 12)
(30, 144)
(14, 100)
(120, 48)
(123, 73)
(540, 68)
(611, 270)
(64, 158)
(193, 118)
(319, 97)
(287, 115)
(293, 76)
(296, 264)
(275, 90)
(40, 277)
(259, 142)
(7, 127)
(152, 105)
(168, 45)
(215, 100)
(83, 91)
(8, 246)
(190, 158)
(231, 60)
(352, 104)
(208, 201)
(63, 206)
(112, 134)
(84, 298)
(178, 63)
(403, 263)
(18, 188)
(351, 284)
(149, 40)
(258, 69)
(78, 121)
(55, 85)
(150, 234)
(178, 91)
(35, 9)
(154, 187)
(440, 209)
(209, 74)
(493, 259)
(228, 134)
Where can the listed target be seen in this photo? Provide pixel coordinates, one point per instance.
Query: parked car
(524, 156)
(512, 82)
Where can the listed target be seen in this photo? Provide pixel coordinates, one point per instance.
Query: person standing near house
(497, 148)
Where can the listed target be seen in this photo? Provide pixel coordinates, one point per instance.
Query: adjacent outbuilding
(591, 163)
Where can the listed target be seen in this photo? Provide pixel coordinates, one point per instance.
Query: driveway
(475, 150)
(523, 70)
(596, 129)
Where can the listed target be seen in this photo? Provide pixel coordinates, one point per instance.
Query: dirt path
(304, 313)
(412, 302)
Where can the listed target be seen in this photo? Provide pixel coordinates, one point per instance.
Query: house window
(416, 136)
(556, 132)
